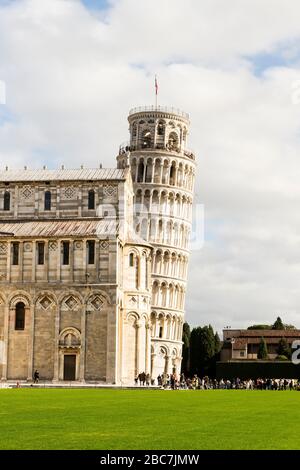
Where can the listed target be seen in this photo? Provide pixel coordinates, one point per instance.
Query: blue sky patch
(284, 56)
(6, 115)
(95, 4)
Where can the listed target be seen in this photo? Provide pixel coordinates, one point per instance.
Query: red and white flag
(156, 86)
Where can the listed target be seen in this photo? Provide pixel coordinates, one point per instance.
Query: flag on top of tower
(156, 85)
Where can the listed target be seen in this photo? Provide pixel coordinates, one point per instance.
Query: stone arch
(173, 140)
(146, 138)
(171, 294)
(147, 199)
(163, 202)
(132, 316)
(165, 172)
(175, 234)
(152, 229)
(70, 337)
(171, 203)
(155, 293)
(17, 297)
(177, 204)
(161, 127)
(161, 324)
(180, 175)
(153, 318)
(144, 229)
(166, 263)
(164, 293)
(155, 201)
(138, 200)
(140, 171)
(172, 175)
(157, 170)
(158, 261)
(148, 174)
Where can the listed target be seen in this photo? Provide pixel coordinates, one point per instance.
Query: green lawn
(149, 419)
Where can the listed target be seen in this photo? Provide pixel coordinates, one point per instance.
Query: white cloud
(72, 75)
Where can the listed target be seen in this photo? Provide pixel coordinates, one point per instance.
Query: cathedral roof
(134, 239)
(60, 228)
(63, 175)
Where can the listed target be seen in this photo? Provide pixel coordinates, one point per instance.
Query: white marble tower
(163, 173)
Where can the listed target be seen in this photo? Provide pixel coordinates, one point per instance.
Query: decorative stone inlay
(52, 246)
(28, 246)
(109, 190)
(3, 248)
(97, 302)
(104, 244)
(78, 245)
(133, 300)
(46, 302)
(71, 302)
(27, 192)
(69, 192)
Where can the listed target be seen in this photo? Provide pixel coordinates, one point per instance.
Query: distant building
(244, 344)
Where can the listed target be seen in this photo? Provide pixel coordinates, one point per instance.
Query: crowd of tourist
(180, 382)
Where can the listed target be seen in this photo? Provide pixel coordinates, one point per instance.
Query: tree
(289, 327)
(278, 325)
(186, 337)
(217, 344)
(202, 350)
(260, 327)
(262, 349)
(284, 349)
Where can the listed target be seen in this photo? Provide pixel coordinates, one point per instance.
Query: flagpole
(156, 90)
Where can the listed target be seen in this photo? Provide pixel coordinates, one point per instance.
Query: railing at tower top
(126, 147)
(162, 109)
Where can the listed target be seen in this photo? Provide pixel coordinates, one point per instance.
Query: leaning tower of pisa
(163, 172)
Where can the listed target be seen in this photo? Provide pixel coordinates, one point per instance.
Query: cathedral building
(93, 262)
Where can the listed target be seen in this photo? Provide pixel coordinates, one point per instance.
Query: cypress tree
(186, 337)
(283, 348)
(217, 344)
(278, 325)
(262, 349)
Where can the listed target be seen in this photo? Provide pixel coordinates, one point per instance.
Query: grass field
(149, 419)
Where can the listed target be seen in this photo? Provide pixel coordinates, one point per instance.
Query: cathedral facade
(93, 262)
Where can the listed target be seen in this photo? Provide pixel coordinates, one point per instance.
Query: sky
(72, 69)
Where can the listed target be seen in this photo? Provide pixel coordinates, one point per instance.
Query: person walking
(36, 376)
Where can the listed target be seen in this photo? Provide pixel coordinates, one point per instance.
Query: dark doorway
(70, 367)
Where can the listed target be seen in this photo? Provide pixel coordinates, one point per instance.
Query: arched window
(91, 202)
(6, 205)
(173, 141)
(172, 174)
(137, 272)
(140, 176)
(20, 316)
(47, 201)
(146, 139)
(131, 259)
(147, 272)
(160, 128)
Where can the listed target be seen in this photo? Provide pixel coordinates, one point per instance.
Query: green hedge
(257, 369)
